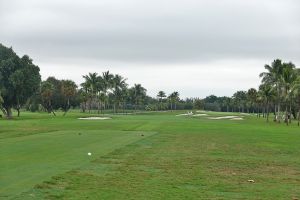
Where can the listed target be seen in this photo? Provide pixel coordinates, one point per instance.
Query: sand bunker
(223, 117)
(237, 118)
(94, 118)
(200, 115)
(185, 114)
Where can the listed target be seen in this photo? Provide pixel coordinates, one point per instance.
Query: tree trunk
(278, 113)
(53, 112)
(290, 112)
(8, 113)
(298, 117)
(135, 106)
(286, 120)
(267, 111)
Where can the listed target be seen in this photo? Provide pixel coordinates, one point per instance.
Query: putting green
(35, 158)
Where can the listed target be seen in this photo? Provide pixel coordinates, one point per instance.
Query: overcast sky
(196, 47)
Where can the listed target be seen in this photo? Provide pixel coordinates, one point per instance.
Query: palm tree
(119, 89)
(1, 102)
(100, 93)
(173, 97)
(273, 77)
(240, 99)
(289, 77)
(176, 98)
(107, 79)
(138, 93)
(266, 94)
(91, 82)
(68, 90)
(296, 93)
(227, 103)
(252, 96)
(83, 96)
(47, 92)
(161, 95)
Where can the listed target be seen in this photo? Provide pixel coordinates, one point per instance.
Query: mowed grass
(44, 157)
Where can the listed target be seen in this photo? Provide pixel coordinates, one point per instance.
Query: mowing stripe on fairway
(28, 160)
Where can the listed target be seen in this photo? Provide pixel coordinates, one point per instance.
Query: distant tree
(161, 95)
(137, 94)
(19, 79)
(240, 98)
(173, 98)
(47, 93)
(252, 97)
(267, 94)
(90, 84)
(83, 97)
(68, 91)
(119, 89)
(199, 104)
(107, 78)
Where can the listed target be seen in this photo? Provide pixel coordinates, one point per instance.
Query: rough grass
(187, 158)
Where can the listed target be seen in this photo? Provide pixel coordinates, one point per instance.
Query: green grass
(45, 157)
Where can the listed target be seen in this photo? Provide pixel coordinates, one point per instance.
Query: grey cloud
(152, 32)
(155, 32)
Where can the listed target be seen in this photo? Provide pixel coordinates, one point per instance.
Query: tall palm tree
(174, 98)
(266, 93)
(252, 96)
(161, 95)
(83, 96)
(273, 77)
(47, 92)
(240, 98)
(138, 94)
(296, 93)
(119, 88)
(99, 93)
(107, 78)
(289, 77)
(91, 82)
(68, 90)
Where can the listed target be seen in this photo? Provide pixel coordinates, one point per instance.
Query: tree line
(278, 93)
(21, 87)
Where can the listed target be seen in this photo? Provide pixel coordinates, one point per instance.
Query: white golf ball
(89, 154)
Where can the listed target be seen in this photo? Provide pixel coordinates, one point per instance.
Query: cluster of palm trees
(109, 90)
(171, 99)
(278, 93)
(281, 88)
